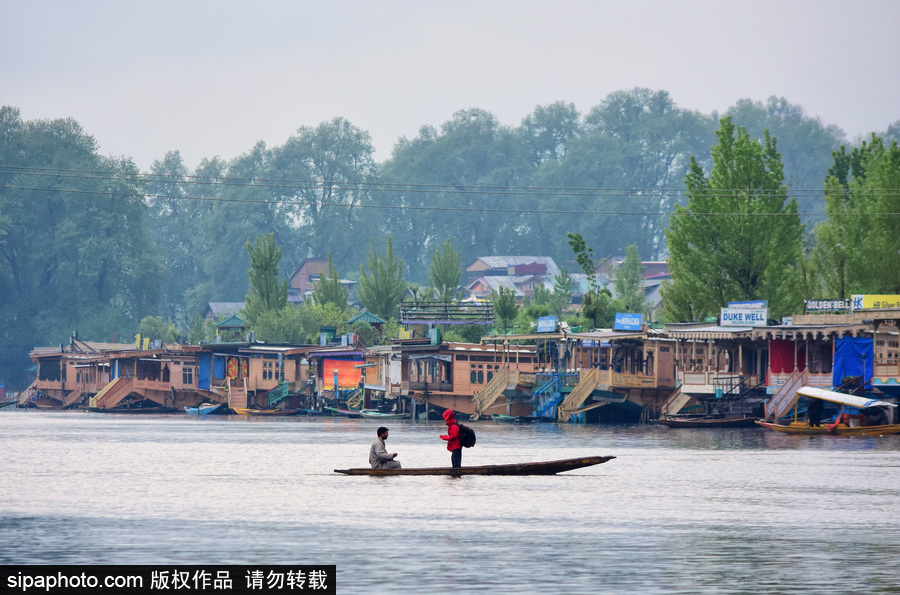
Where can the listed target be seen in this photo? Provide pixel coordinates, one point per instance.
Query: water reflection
(679, 510)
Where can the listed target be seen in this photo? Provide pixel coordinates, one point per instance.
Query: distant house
(303, 280)
(512, 266)
(520, 274)
(219, 310)
(655, 272)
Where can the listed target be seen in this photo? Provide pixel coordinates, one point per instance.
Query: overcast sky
(214, 77)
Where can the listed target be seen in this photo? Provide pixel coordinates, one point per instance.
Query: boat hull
(738, 422)
(267, 412)
(842, 430)
(541, 468)
(384, 416)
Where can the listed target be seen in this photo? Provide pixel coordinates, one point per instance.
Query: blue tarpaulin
(205, 370)
(854, 356)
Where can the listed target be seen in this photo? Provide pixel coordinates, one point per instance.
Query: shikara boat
(266, 412)
(800, 427)
(342, 412)
(204, 409)
(503, 419)
(6, 403)
(846, 424)
(541, 468)
(375, 414)
(673, 421)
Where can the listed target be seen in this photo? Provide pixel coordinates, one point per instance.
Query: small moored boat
(375, 414)
(860, 416)
(675, 421)
(266, 412)
(204, 409)
(540, 468)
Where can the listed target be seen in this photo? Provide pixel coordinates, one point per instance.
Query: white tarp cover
(851, 400)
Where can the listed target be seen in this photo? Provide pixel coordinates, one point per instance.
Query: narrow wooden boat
(342, 412)
(133, 410)
(375, 414)
(6, 404)
(503, 419)
(706, 422)
(541, 468)
(802, 427)
(266, 412)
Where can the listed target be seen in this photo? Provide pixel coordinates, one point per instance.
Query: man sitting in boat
(379, 457)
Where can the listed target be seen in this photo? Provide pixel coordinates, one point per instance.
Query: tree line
(90, 243)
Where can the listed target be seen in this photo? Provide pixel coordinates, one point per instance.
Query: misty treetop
(92, 244)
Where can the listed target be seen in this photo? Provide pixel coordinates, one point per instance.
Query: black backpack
(466, 436)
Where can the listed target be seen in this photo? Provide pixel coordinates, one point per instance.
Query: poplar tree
(268, 292)
(740, 236)
(858, 248)
(382, 288)
(329, 290)
(446, 272)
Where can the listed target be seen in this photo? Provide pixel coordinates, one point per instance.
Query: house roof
(366, 316)
(502, 262)
(219, 309)
(233, 321)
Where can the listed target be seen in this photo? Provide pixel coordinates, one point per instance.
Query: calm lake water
(678, 510)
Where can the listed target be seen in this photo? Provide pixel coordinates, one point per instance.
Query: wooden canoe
(541, 468)
(266, 412)
(707, 422)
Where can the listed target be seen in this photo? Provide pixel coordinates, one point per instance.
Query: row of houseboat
(560, 375)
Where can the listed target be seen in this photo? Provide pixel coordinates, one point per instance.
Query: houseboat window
(187, 375)
(462, 358)
(480, 377)
(473, 377)
(490, 376)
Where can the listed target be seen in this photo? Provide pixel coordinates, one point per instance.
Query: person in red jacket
(452, 438)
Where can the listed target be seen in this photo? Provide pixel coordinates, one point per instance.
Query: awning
(433, 356)
(844, 399)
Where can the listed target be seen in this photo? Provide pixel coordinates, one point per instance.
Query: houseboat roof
(691, 331)
(842, 398)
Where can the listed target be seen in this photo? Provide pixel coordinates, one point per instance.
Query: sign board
(745, 317)
(827, 305)
(753, 305)
(875, 301)
(628, 322)
(547, 324)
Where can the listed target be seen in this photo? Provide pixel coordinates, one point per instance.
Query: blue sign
(629, 322)
(547, 324)
(754, 305)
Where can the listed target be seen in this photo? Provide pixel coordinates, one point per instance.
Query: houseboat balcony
(778, 380)
(706, 382)
(431, 386)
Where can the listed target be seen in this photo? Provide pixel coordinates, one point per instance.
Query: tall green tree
(629, 281)
(446, 272)
(740, 237)
(326, 172)
(268, 291)
(505, 307)
(330, 290)
(382, 288)
(858, 247)
(74, 250)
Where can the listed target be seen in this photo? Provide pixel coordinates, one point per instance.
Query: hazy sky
(212, 78)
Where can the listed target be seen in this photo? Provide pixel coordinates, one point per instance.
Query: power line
(381, 186)
(293, 202)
